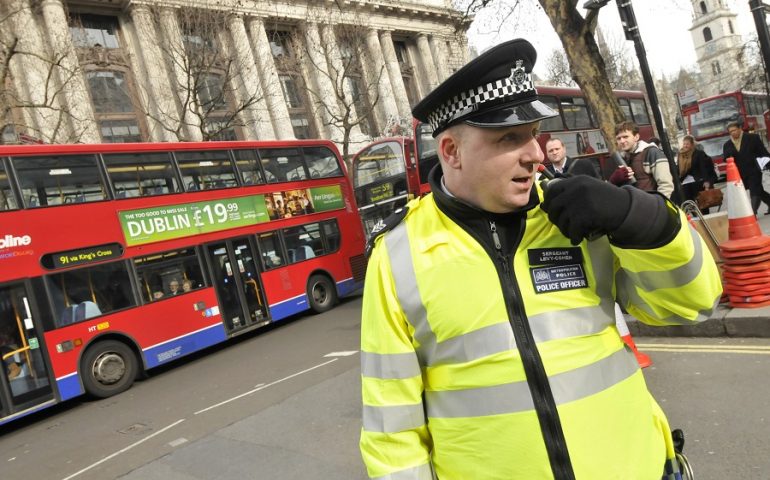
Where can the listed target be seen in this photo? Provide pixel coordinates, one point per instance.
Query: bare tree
(341, 85)
(214, 87)
(557, 70)
(35, 73)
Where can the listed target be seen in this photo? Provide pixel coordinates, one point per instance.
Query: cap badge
(518, 75)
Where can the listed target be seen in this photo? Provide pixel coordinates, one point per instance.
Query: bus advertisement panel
(119, 258)
(389, 172)
(709, 124)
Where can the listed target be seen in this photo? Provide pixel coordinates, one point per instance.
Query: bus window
(283, 164)
(90, 292)
(303, 243)
(331, 233)
(380, 162)
(554, 123)
(141, 174)
(322, 162)
(168, 274)
(270, 248)
(426, 146)
(7, 200)
(206, 170)
(248, 164)
(626, 108)
(639, 110)
(576, 115)
(59, 179)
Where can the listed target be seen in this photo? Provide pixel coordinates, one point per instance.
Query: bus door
(24, 381)
(235, 274)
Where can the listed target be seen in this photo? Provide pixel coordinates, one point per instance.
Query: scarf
(685, 163)
(737, 143)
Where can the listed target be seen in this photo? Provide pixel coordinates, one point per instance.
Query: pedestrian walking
(488, 339)
(745, 148)
(649, 163)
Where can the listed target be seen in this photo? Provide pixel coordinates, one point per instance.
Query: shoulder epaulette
(384, 226)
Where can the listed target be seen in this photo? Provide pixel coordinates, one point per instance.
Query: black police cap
(493, 90)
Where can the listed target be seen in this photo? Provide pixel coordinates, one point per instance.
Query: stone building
(718, 45)
(189, 70)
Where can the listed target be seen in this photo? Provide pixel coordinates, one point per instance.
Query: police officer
(488, 340)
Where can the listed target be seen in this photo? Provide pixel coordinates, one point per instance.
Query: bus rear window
(322, 162)
(59, 179)
(379, 162)
(552, 124)
(639, 110)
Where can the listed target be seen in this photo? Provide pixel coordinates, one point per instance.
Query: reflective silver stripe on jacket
(393, 418)
(680, 276)
(422, 472)
(515, 397)
(389, 366)
(629, 296)
(499, 337)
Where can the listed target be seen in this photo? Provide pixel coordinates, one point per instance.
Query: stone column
(426, 60)
(279, 111)
(157, 82)
(183, 84)
(394, 72)
(84, 126)
(323, 96)
(40, 105)
(379, 74)
(250, 85)
(440, 57)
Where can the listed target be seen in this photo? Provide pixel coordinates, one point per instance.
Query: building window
(292, 83)
(111, 96)
(715, 68)
(407, 71)
(703, 8)
(707, 34)
(94, 30)
(730, 27)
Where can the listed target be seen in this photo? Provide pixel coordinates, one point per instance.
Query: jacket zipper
(537, 380)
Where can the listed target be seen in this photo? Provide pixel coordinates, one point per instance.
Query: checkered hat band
(468, 102)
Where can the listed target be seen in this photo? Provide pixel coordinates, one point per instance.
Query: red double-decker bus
(119, 258)
(389, 172)
(708, 125)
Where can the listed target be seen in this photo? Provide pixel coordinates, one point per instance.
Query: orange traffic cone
(744, 234)
(746, 253)
(642, 359)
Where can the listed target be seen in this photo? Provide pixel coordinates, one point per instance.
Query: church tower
(717, 43)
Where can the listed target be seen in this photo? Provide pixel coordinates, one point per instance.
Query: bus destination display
(82, 256)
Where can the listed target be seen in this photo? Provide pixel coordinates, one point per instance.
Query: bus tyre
(321, 293)
(109, 368)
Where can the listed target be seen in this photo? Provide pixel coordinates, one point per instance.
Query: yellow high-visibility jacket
(445, 394)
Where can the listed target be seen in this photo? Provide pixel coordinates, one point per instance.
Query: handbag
(709, 198)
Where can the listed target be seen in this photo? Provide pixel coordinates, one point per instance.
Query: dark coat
(746, 159)
(702, 168)
(567, 165)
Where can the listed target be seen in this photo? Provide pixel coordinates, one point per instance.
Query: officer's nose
(531, 152)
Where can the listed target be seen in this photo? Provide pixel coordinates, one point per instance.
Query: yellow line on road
(658, 348)
(690, 346)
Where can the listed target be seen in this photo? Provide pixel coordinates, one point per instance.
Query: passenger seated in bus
(157, 295)
(14, 366)
(173, 287)
(187, 286)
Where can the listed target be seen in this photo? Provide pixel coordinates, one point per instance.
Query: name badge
(557, 269)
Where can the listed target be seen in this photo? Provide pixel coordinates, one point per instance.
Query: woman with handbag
(696, 174)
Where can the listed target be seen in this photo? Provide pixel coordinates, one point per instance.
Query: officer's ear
(449, 146)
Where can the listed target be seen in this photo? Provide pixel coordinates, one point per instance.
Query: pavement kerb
(724, 321)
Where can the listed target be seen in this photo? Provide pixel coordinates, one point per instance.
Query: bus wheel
(321, 293)
(109, 368)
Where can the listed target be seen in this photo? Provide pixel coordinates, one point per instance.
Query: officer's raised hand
(584, 207)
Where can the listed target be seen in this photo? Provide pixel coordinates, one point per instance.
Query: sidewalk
(725, 321)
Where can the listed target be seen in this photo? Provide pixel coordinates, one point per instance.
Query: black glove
(583, 206)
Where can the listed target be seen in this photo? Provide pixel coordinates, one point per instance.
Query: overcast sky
(664, 27)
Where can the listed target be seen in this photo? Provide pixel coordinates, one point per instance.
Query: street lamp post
(631, 29)
(758, 9)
